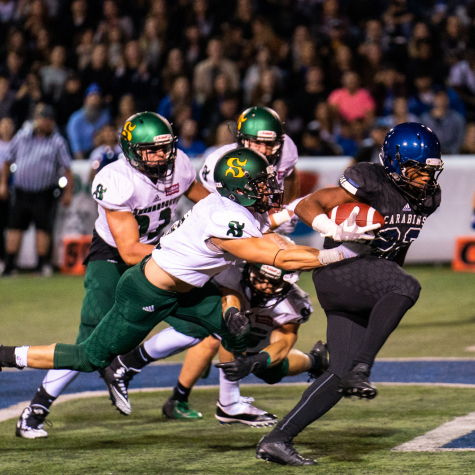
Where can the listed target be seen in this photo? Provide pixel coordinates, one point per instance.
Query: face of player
(419, 177)
(263, 284)
(264, 147)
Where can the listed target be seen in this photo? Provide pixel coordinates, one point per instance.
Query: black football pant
(364, 300)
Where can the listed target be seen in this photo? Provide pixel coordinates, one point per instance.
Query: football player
(260, 129)
(277, 307)
(137, 197)
(366, 297)
(174, 280)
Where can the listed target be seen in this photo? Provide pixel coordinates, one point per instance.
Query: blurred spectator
(133, 76)
(263, 35)
(37, 16)
(210, 109)
(151, 43)
(293, 124)
(108, 149)
(312, 143)
(423, 100)
(97, 71)
(454, 40)
(206, 71)
(115, 47)
(468, 146)
(255, 71)
(14, 70)
(127, 108)
(187, 140)
(228, 110)
(174, 67)
(371, 147)
(39, 154)
(374, 34)
(42, 51)
(345, 139)
(77, 20)
(462, 79)
(204, 17)
(180, 94)
(193, 46)
(70, 101)
(111, 15)
(85, 48)
(328, 128)
(314, 92)
(400, 113)
(54, 76)
(341, 63)
(7, 130)
(7, 98)
(448, 125)
(224, 136)
(388, 84)
(28, 96)
(371, 56)
(86, 121)
(352, 102)
(266, 90)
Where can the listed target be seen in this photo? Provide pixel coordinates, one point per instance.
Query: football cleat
(281, 452)
(117, 378)
(243, 412)
(320, 353)
(30, 423)
(356, 383)
(174, 409)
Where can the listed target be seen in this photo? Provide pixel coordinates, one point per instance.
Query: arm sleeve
(112, 191)
(360, 180)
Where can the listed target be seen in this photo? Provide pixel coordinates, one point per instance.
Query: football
(366, 215)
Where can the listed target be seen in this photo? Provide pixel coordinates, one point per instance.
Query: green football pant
(139, 306)
(100, 283)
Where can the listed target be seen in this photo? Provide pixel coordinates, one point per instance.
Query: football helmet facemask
(245, 177)
(412, 159)
(258, 126)
(149, 145)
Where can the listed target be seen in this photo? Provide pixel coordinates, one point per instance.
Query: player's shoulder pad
(113, 186)
(184, 166)
(300, 303)
(229, 220)
(289, 157)
(362, 177)
(206, 172)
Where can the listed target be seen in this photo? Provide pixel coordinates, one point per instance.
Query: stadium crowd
(328, 67)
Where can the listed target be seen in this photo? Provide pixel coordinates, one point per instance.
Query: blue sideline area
(17, 386)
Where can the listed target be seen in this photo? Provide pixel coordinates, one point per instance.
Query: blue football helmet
(412, 145)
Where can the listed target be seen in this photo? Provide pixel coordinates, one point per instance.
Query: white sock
(168, 342)
(57, 380)
(228, 390)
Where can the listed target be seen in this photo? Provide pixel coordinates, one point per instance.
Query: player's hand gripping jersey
(120, 187)
(213, 216)
(283, 167)
(404, 220)
(294, 308)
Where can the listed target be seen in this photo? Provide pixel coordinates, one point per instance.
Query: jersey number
(388, 240)
(144, 222)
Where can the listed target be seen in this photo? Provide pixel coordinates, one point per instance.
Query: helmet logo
(127, 132)
(164, 138)
(236, 170)
(266, 135)
(241, 120)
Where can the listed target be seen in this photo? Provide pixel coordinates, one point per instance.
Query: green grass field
(356, 437)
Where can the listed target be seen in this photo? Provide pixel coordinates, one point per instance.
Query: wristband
(281, 217)
(328, 256)
(324, 225)
(21, 356)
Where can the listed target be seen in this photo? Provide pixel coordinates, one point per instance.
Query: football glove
(348, 230)
(244, 365)
(236, 321)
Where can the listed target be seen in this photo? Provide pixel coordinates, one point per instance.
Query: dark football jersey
(404, 220)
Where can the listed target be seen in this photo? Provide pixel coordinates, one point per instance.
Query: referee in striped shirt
(39, 156)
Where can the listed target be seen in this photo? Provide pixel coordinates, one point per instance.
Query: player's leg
(315, 362)
(344, 336)
(122, 370)
(197, 362)
(100, 283)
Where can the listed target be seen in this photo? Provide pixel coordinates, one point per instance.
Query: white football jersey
(186, 251)
(283, 167)
(120, 187)
(295, 308)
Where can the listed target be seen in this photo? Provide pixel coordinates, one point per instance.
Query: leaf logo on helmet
(127, 132)
(232, 168)
(241, 120)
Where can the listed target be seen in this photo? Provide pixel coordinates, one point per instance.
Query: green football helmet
(245, 177)
(147, 133)
(261, 125)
